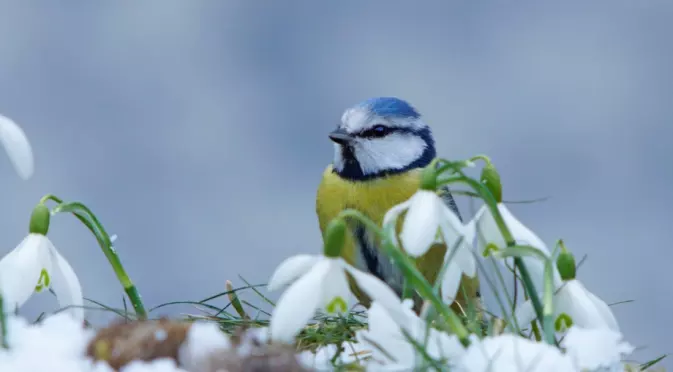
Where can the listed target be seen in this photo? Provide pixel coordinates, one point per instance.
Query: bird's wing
(445, 193)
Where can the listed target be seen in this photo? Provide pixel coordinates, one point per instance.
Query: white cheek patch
(394, 151)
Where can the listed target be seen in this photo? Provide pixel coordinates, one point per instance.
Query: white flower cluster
(593, 341)
(318, 282)
(385, 347)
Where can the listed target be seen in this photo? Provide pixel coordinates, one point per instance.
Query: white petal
(391, 216)
(290, 269)
(463, 257)
(17, 146)
(524, 235)
(453, 220)
(20, 270)
(421, 223)
(524, 314)
(444, 346)
(65, 284)
(521, 233)
(380, 292)
(451, 282)
(487, 230)
(298, 304)
(471, 231)
(378, 319)
(387, 347)
(335, 285)
(384, 337)
(466, 261)
(573, 300)
(605, 311)
(393, 213)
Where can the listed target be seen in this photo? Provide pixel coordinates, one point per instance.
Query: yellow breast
(372, 197)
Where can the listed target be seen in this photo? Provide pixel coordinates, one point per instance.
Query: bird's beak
(340, 136)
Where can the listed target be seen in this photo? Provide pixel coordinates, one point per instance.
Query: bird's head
(379, 137)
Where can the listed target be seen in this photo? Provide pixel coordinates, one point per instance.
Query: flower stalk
(335, 237)
(86, 216)
(3, 324)
(548, 309)
(413, 276)
(491, 203)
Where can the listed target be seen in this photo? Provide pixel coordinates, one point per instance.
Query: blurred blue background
(198, 130)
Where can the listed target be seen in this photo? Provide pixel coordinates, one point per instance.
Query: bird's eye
(378, 130)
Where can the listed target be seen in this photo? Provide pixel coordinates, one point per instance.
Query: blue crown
(390, 107)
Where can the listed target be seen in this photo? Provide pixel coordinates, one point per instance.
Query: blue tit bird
(380, 148)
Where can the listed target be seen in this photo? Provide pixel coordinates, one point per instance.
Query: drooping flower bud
(565, 263)
(39, 220)
(335, 237)
(491, 179)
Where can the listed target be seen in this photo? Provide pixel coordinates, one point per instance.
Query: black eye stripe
(377, 131)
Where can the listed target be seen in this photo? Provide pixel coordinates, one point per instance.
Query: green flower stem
(235, 302)
(509, 239)
(519, 251)
(407, 290)
(335, 236)
(481, 157)
(92, 223)
(548, 309)
(3, 324)
(414, 276)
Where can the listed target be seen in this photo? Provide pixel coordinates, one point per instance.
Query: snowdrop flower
(487, 232)
(596, 349)
(390, 347)
(318, 282)
(584, 308)
(17, 146)
(426, 215)
(511, 353)
(35, 265)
